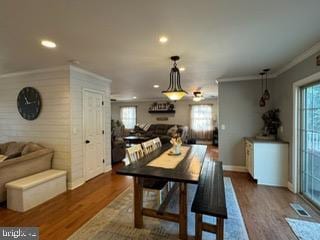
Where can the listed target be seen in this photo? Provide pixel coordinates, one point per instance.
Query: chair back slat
(157, 142)
(134, 153)
(148, 146)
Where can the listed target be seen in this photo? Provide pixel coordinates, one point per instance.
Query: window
(201, 121)
(310, 143)
(128, 117)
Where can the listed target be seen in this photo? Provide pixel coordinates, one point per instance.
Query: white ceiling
(119, 39)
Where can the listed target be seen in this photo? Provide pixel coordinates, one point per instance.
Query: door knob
(87, 141)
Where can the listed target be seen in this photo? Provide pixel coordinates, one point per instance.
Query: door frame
(295, 165)
(83, 128)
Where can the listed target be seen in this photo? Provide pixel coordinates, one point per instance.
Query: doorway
(309, 152)
(93, 129)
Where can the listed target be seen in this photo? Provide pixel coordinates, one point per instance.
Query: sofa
(22, 159)
(163, 131)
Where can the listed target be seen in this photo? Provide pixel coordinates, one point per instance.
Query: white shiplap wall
(59, 125)
(80, 80)
(51, 128)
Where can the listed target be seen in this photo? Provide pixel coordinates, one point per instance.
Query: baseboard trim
(75, 184)
(290, 187)
(107, 168)
(234, 168)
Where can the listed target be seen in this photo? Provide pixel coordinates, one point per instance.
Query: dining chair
(157, 142)
(157, 187)
(148, 146)
(134, 153)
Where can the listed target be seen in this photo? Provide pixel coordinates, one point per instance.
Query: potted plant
(271, 123)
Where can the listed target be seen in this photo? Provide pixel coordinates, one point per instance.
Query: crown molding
(91, 74)
(300, 58)
(34, 71)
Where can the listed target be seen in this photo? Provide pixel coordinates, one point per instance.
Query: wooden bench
(210, 199)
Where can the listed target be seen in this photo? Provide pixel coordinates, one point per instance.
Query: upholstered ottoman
(28, 192)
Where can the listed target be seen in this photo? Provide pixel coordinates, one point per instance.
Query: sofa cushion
(30, 147)
(161, 129)
(14, 149)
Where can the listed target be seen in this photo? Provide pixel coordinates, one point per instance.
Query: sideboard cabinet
(267, 161)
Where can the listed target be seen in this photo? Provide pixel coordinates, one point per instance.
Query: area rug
(304, 230)
(115, 221)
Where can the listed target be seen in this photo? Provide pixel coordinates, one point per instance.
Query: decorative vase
(176, 149)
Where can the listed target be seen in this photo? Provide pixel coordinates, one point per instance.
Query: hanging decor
(175, 91)
(262, 101)
(266, 94)
(197, 96)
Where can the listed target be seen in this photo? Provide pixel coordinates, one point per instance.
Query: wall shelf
(162, 111)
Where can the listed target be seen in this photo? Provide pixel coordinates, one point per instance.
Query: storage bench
(28, 192)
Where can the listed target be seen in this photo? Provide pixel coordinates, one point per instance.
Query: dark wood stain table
(187, 171)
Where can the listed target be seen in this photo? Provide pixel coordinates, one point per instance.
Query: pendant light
(266, 94)
(175, 91)
(262, 102)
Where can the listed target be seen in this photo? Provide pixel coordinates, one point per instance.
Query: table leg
(183, 221)
(138, 202)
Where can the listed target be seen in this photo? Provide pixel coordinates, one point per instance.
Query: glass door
(310, 143)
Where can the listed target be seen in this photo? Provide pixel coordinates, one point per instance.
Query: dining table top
(188, 170)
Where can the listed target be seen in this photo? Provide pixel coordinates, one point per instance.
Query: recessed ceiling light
(156, 86)
(134, 97)
(182, 69)
(48, 44)
(163, 39)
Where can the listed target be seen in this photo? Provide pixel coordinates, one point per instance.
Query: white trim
(235, 168)
(107, 168)
(290, 187)
(298, 59)
(91, 74)
(34, 71)
(295, 137)
(236, 79)
(75, 184)
(244, 78)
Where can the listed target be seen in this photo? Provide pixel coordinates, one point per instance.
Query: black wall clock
(29, 103)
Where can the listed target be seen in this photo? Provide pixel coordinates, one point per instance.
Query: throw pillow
(172, 131)
(14, 155)
(14, 148)
(30, 147)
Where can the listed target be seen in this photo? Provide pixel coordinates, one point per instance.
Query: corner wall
(240, 113)
(283, 97)
(80, 80)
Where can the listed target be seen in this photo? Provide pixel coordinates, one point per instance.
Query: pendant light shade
(175, 91)
(266, 94)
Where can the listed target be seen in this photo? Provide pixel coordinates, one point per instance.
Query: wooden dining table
(187, 171)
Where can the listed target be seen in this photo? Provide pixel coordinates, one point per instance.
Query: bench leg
(198, 226)
(220, 225)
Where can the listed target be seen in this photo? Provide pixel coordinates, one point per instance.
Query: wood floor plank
(263, 208)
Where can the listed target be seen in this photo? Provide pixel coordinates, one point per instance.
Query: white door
(93, 134)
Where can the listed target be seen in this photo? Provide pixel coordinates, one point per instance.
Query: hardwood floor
(263, 208)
